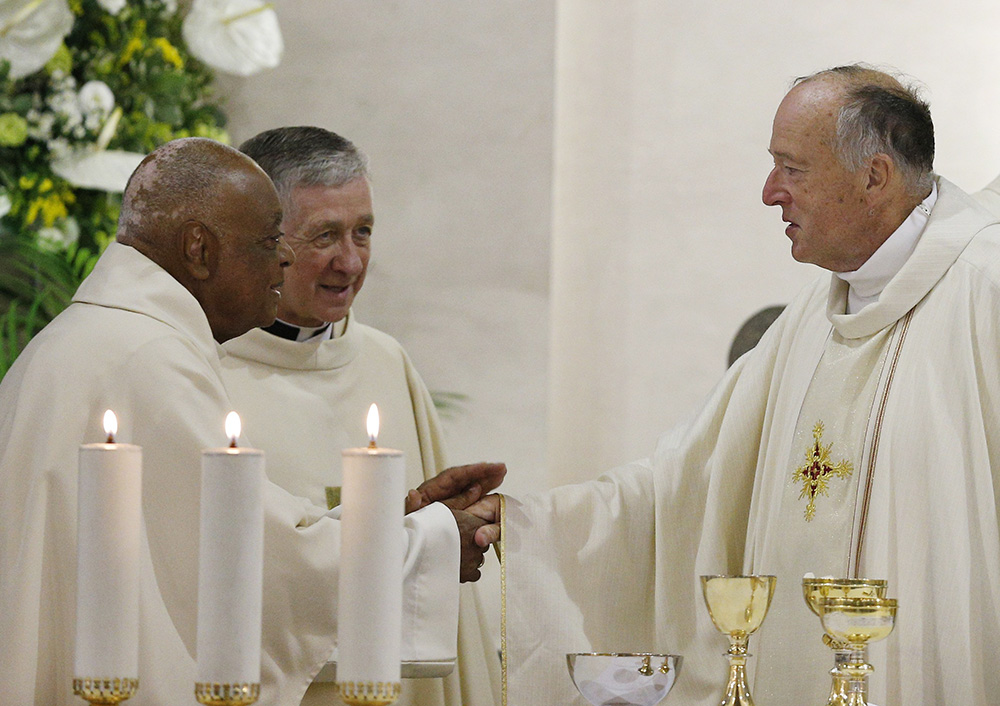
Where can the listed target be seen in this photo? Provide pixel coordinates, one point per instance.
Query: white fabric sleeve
(430, 585)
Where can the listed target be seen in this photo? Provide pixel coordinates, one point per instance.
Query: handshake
(465, 491)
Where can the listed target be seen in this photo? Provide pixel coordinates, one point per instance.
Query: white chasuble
(989, 197)
(305, 401)
(908, 393)
(810, 525)
(135, 341)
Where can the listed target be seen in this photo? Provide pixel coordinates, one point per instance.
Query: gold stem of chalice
(737, 606)
(105, 692)
(816, 590)
(856, 622)
(215, 694)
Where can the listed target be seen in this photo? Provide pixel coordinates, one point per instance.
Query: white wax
(109, 511)
(370, 603)
(230, 566)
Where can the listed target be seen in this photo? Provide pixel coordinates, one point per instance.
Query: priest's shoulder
(379, 341)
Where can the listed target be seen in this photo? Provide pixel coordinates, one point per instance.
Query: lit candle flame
(233, 428)
(372, 425)
(110, 425)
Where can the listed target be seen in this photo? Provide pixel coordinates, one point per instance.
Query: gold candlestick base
(105, 692)
(214, 694)
(372, 693)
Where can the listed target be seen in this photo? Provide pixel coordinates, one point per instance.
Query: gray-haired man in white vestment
(886, 373)
(322, 368)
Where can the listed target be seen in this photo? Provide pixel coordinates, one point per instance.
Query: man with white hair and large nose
(860, 438)
(304, 385)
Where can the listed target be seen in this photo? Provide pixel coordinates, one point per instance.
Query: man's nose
(348, 257)
(772, 193)
(285, 253)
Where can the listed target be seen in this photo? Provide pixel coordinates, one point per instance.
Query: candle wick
(111, 438)
(371, 444)
(232, 444)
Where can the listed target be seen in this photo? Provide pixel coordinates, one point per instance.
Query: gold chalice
(816, 590)
(623, 678)
(856, 622)
(737, 605)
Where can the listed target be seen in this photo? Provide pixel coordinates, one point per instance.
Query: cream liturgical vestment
(863, 444)
(990, 196)
(304, 401)
(135, 341)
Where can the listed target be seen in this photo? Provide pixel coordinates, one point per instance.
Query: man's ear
(198, 245)
(880, 174)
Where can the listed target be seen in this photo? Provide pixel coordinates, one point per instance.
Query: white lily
(236, 36)
(96, 167)
(31, 32)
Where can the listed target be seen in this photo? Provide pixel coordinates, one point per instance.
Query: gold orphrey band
(371, 693)
(105, 692)
(215, 694)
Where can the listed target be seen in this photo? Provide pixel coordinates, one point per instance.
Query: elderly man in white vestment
(199, 259)
(989, 196)
(304, 384)
(885, 373)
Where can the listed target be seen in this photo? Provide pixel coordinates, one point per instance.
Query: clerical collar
(291, 332)
(867, 282)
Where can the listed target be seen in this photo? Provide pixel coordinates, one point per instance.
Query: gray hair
(309, 156)
(880, 114)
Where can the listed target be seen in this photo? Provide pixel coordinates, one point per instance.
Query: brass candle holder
(105, 692)
(856, 622)
(370, 693)
(815, 591)
(737, 606)
(215, 694)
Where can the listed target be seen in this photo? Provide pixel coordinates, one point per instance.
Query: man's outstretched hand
(458, 486)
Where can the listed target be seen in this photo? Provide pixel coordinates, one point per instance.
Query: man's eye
(365, 232)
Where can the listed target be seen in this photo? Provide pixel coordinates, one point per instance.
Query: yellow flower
(46, 185)
(25, 183)
(13, 130)
(134, 45)
(169, 52)
(51, 208)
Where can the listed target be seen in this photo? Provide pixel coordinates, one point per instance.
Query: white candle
(370, 603)
(109, 511)
(230, 562)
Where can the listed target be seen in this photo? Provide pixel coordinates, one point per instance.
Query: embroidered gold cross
(814, 474)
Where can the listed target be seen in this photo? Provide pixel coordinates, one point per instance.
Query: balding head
(878, 113)
(209, 216)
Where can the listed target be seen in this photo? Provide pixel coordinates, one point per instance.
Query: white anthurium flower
(59, 238)
(5, 203)
(112, 6)
(236, 36)
(96, 98)
(31, 31)
(105, 170)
